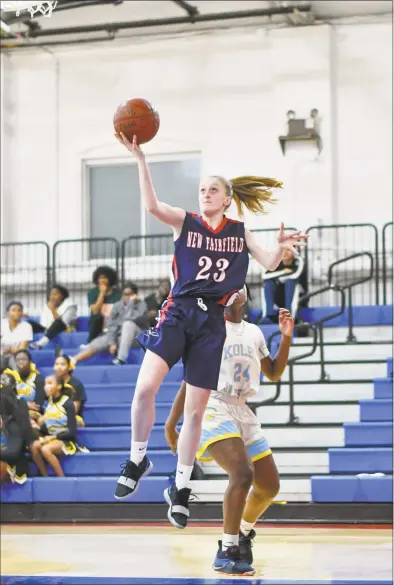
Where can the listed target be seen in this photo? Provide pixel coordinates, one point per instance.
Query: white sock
(229, 540)
(137, 451)
(43, 341)
(246, 527)
(183, 474)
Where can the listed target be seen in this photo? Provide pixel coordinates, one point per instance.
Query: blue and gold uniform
(60, 422)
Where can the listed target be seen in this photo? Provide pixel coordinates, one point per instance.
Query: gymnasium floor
(158, 554)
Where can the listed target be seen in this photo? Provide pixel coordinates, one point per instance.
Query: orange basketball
(137, 117)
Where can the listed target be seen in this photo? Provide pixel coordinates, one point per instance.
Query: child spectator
(156, 299)
(59, 314)
(127, 318)
(29, 383)
(15, 333)
(58, 426)
(64, 371)
(101, 298)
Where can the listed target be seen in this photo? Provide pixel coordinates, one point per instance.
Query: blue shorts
(194, 330)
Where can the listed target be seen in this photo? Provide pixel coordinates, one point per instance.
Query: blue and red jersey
(210, 263)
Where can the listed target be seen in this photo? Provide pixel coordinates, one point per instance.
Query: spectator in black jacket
(17, 433)
(280, 285)
(58, 425)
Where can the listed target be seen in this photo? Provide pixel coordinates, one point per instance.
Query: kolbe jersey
(210, 263)
(240, 368)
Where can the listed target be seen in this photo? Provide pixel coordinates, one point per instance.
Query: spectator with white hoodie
(58, 314)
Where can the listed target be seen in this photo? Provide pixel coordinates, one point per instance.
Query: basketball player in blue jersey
(210, 266)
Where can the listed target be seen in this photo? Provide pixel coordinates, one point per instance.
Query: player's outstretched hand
(131, 146)
(291, 239)
(172, 436)
(286, 323)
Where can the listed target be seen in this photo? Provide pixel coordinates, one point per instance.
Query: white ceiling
(138, 11)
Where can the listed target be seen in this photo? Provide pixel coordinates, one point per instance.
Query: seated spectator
(156, 299)
(29, 383)
(280, 285)
(58, 426)
(64, 371)
(17, 433)
(15, 333)
(101, 299)
(59, 314)
(126, 320)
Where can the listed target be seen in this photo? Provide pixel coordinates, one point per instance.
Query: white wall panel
(224, 95)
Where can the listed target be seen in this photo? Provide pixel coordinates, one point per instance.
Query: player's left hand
(286, 323)
(291, 239)
(172, 436)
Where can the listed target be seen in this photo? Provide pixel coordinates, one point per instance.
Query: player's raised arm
(173, 216)
(273, 368)
(270, 260)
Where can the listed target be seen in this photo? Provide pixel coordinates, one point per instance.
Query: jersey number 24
(241, 374)
(206, 264)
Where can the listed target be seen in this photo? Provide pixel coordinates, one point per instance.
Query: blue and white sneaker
(129, 480)
(230, 562)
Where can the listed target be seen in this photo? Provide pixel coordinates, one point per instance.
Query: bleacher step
(291, 490)
(383, 388)
(363, 434)
(352, 489)
(102, 463)
(315, 413)
(376, 410)
(361, 460)
(118, 437)
(79, 489)
(288, 462)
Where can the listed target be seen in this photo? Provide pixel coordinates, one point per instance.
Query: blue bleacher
(79, 489)
(362, 470)
(363, 315)
(352, 489)
(117, 438)
(91, 477)
(363, 434)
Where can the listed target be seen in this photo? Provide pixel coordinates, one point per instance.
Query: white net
(44, 7)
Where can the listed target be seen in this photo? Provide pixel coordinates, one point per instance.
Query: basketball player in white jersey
(232, 435)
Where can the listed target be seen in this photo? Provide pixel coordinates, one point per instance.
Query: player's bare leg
(265, 488)
(152, 372)
(231, 454)
(177, 496)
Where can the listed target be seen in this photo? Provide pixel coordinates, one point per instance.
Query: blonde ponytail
(251, 192)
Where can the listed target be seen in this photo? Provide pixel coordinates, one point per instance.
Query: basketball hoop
(45, 7)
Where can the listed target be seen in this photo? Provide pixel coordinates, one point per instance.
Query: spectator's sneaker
(118, 362)
(230, 562)
(245, 546)
(130, 478)
(34, 345)
(82, 448)
(178, 500)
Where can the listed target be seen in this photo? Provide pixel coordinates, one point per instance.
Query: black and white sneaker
(178, 500)
(129, 480)
(245, 546)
